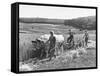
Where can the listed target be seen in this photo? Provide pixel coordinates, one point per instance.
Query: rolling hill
(81, 22)
(42, 20)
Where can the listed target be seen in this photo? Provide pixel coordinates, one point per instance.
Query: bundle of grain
(91, 44)
(72, 54)
(82, 51)
(25, 67)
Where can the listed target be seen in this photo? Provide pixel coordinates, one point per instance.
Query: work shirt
(86, 36)
(52, 40)
(70, 38)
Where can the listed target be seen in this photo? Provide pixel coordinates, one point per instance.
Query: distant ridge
(81, 22)
(42, 20)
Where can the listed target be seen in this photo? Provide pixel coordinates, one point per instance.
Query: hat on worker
(52, 32)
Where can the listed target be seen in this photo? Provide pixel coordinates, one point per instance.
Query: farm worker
(42, 48)
(86, 37)
(71, 37)
(52, 42)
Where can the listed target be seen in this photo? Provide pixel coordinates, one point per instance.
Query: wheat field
(29, 32)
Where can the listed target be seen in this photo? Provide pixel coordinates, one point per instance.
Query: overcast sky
(54, 12)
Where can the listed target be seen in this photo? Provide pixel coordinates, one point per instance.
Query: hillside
(42, 20)
(83, 22)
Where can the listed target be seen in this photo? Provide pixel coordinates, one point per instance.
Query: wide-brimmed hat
(52, 32)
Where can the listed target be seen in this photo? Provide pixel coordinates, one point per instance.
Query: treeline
(82, 23)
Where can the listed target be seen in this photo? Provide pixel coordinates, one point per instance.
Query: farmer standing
(71, 37)
(52, 42)
(86, 37)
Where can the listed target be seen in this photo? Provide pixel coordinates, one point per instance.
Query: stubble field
(29, 32)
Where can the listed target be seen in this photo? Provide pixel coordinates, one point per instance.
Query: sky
(30, 11)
